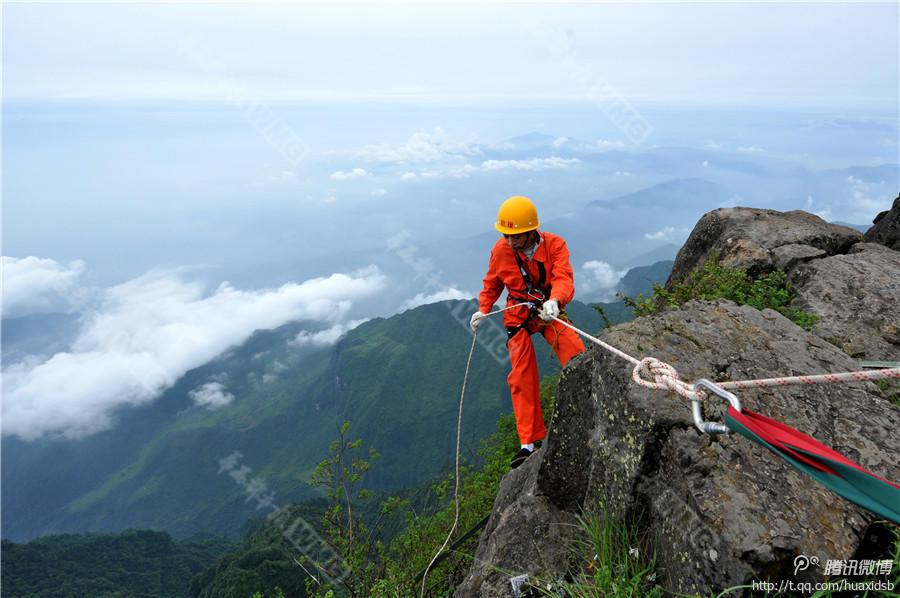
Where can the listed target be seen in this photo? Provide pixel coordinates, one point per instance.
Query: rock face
(857, 297)
(886, 229)
(760, 240)
(853, 286)
(723, 510)
(527, 532)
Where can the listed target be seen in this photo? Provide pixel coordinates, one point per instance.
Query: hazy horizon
(208, 170)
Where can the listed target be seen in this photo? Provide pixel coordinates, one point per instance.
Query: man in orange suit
(534, 268)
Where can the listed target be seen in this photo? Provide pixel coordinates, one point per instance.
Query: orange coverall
(503, 272)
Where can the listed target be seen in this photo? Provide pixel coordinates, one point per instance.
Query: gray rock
(886, 227)
(747, 237)
(526, 534)
(857, 296)
(722, 510)
(787, 256)
(534, 513)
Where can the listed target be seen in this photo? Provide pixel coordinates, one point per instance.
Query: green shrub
(613, 560)
(412, 549)
(714, 281)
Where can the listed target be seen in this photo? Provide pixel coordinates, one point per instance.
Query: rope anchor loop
(651, 372)
(701, 387)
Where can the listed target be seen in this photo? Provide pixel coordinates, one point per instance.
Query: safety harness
(535, 295)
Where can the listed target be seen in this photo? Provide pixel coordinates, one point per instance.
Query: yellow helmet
(516, 215)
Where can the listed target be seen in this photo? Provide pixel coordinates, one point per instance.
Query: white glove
(475, 322)
(550, 310)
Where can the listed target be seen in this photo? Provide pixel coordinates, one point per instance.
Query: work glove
(475, 322)
(550, 310)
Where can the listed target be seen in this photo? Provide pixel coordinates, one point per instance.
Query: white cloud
(444, 57)
(329, 336)
(466, 170)
(553, 162)
(668, 233)
(705, 163)
(146, 334)
(421, 146)
(824, 214)
(356, 173)
(273, 372)
(749, 149)
(559, 142)
(861, 207)
(33, 285)
(623, 173)
(211, 395)
(442, 295)
(278, 367)
(599, 279)
(609, 145)
(379, 193)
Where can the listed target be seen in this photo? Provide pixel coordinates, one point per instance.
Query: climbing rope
(861, 376)
(665, 377)
(462, 396)
(841, 475)
(846, 478)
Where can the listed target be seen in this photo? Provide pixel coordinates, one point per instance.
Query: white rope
(596, 340)
(665, 377)
(462, 396)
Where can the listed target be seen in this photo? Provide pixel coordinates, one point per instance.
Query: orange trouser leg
(525, 388)
(565, 342)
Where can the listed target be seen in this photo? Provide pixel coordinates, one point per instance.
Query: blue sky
(811, 53)
(184, 173)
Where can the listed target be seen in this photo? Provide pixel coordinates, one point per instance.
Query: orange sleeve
(492, 287)
(562, 279)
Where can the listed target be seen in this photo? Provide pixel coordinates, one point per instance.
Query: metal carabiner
(697, 408)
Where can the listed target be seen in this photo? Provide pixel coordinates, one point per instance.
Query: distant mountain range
(397, 379)
(640, 280)
(860, 227)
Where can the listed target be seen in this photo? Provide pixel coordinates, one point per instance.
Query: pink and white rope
(865, 376)
(653, 373)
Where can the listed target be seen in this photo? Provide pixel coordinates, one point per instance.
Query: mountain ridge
(158, 468)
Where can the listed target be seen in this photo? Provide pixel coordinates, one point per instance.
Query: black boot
(520, 457)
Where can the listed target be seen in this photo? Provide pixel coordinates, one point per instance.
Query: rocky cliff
(886, 227)
(721, 510)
